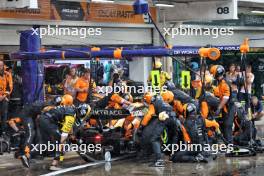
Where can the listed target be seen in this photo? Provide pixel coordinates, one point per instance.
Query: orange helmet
(217, 70)
(167, 96)
(67, 100)
(213, 69)
(148, 97)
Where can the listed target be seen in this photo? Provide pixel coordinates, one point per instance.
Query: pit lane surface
(243, 166)
(222, 166)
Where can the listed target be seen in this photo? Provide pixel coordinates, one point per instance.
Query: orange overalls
(6, 81)
(6, 87)
(146, 119)
(221, 91)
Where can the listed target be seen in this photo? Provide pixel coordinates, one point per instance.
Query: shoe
(54, 168)
(158, 163)
(17, 155)
(25, 161)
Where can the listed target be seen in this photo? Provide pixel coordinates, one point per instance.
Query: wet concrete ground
(253, 166)
(222, 166)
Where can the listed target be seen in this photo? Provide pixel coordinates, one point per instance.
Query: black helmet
(57, 100)
(217, 71)
(170, 85)
(190, 109)
(220, 71)
(83, 110)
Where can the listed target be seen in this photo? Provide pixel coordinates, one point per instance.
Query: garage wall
(110, 36)
(236, 39)
(139, 69)
(9, 35)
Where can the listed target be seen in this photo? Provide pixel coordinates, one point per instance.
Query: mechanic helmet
(157, 65)
(67, 100)
(170, 85)
(189, 109)
(194, 66)
(57, 100)
(167, 96)
(148, 97)
(217, 70)
(83, 111)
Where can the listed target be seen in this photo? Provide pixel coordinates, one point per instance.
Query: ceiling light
(164, 5)
(256, 11)
(103, 1)
(254, 1)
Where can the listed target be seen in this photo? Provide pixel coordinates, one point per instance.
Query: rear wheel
(4, 146)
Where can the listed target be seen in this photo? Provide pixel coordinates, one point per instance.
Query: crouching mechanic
(152, 127)
(195, 127)
(56, 124)
(257, 109)
(30, 132)
(245, 131)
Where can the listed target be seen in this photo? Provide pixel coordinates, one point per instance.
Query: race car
(112, 141)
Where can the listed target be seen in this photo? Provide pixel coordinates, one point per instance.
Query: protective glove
(163, 116)
(217, 112)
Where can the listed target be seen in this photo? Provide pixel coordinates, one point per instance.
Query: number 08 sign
(211, 10)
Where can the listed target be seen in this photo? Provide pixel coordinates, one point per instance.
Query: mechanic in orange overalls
(6, 88)
(226, 106)
(82, 87)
